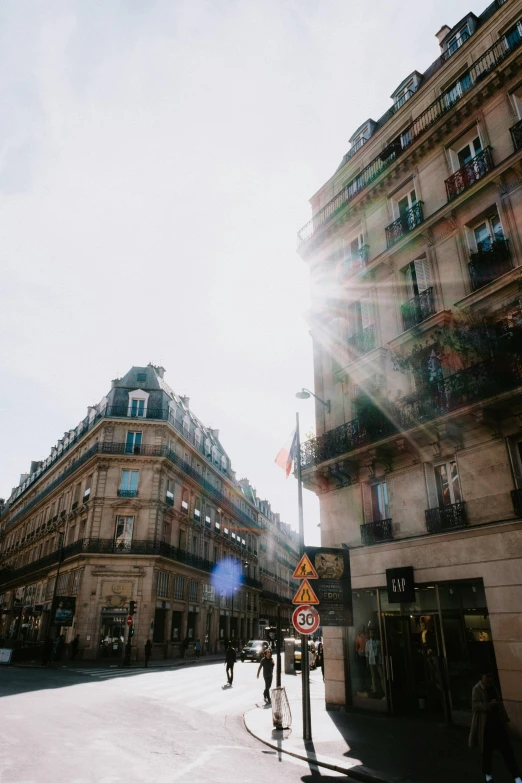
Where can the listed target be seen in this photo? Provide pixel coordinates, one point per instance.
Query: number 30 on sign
(305, 619)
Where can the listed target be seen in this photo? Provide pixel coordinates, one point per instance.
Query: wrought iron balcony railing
(484, 65)
(516, 497)
(516, 135)
(354, 263)
(412, 218)
(362, 342)
(375, 532)
(418, 309)
(465, 387)
(127, 493)
(490, 262)
(109, 546)
(446, 517)
(401, 100)
(470, 173)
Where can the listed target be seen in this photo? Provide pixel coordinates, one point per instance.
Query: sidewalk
(373, 747)
(115, 663)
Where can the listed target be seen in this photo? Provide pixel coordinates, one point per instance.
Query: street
(69, 725)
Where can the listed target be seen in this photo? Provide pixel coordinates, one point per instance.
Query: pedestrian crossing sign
(305, 569)
(305, 594)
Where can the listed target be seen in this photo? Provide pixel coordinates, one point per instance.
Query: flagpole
(305, 665)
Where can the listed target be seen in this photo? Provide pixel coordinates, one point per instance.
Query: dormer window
(405, 90)
(138, 403)
(456, 41)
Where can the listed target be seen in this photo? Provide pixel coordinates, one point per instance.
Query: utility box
(289, 648)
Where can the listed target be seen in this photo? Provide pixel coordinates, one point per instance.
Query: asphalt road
(161, 726)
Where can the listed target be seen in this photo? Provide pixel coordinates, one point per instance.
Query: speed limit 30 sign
(305, 619)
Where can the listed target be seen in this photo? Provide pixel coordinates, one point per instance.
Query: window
(447, 483)
(137, 408)
(209, 594)
(487, 232)
(179, 588)
(375, 502)
(123, 535)
(469, 151)
(206, 550)
(215, 454)
(197, 508)
(457, 89)
(50, 588)
(416, 277)
(193, 592)
(197, 439)
(75, 586)
(404, 204)
(129, 483)
(225, 531)
(404, 94)
(133, 442)
(457, 40)
(224, 464)
(87, 490)
(63, 584)
(513, 37)
(141, 376)
(170, 491)
(186, 426)
(185, 497)
(163, 584)
(195, 547)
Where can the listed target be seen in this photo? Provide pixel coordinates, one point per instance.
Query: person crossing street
(267, 665)
(230, 659)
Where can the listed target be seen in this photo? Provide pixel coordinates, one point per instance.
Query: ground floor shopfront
(423, 656)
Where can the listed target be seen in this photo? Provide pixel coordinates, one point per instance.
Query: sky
(156, 161)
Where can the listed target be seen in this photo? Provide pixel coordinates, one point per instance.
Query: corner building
(415, 254)
(138, 502)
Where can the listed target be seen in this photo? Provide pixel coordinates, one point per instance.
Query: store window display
(367, 677)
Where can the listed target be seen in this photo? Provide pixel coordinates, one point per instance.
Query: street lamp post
(305, 394)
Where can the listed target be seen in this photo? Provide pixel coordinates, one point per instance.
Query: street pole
(305, 664)
(278, 648)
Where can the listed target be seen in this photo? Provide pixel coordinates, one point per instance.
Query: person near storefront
(488, 727)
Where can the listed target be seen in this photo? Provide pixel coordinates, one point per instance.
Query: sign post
(305, 666)
(305, 619)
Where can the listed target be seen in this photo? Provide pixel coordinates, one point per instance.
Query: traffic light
(132, 608)
(131, 631)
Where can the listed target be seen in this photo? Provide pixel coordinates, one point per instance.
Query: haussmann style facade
(415, 257)
(138, 503)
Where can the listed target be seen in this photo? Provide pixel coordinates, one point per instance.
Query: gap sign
(400, 584)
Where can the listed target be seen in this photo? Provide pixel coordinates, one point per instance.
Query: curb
(362, 773)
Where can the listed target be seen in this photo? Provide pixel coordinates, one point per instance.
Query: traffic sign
(305, 569)
(305, 594)
(305, 619)
(129, 620)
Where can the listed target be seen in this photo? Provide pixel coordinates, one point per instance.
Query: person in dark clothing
(58, 648)
(267, 665)
(488, 727)
(230, 659)
(319, 658)
(184, 647)
(47, 650)
(74, 646)
(148, 651)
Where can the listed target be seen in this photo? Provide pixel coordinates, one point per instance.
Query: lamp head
(303, 395)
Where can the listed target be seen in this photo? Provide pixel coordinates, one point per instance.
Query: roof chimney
(161, 372)
(215, 433)
(34, 466)
(114, 382)
(185, 401)
(440, 36)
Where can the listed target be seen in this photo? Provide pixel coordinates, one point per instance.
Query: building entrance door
(112, 635)
(415, 665)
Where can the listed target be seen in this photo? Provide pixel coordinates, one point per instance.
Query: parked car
(311, 654)
(254, 650)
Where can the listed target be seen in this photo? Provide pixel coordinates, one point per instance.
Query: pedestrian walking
(184, 647)
(197, 648)
(230, 659)
(267, 665)
(488, 727)
(58, 648)
(148, 651)
(319, 658)
(47, 650)
(74, 646)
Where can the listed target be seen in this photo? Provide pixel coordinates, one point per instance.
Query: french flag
(286, 456)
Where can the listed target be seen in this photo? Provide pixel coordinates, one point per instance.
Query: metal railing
(516, 135)
(446, 517)
(375, 532)
(270, 596)
(482, 380)
(363, 341)
(110, 546)
(484, 65)
(411, 218)
(401, 100)
(488, 263)
(127, 493)
(418, 309)
(469, 174)
(354, 263)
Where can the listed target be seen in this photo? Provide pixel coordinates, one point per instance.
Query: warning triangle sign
(305, 594)
(305, 569)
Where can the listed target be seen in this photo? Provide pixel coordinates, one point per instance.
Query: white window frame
(489, 223)
(129, 477)
(138, 395)
(458, 39)
(408, 194)
(131, 447)
(123, 540)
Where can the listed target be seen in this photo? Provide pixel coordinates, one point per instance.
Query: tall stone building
(138, 503)
(415, 257)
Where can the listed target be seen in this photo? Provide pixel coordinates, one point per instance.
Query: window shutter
(408, 278)
(431, 485)
(422, 273)
(515, 462)
(367, 503)
(366, 313)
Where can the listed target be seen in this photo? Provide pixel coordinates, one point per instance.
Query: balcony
(450, 517)
(469, 174)
(418, 309)
(516, 135)
(401, 100)
(362, 342)
(411, 218)
(346, 438)
(516, 497)
(490, 262)
(376, 532)
(354, 263)
(127, 493)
